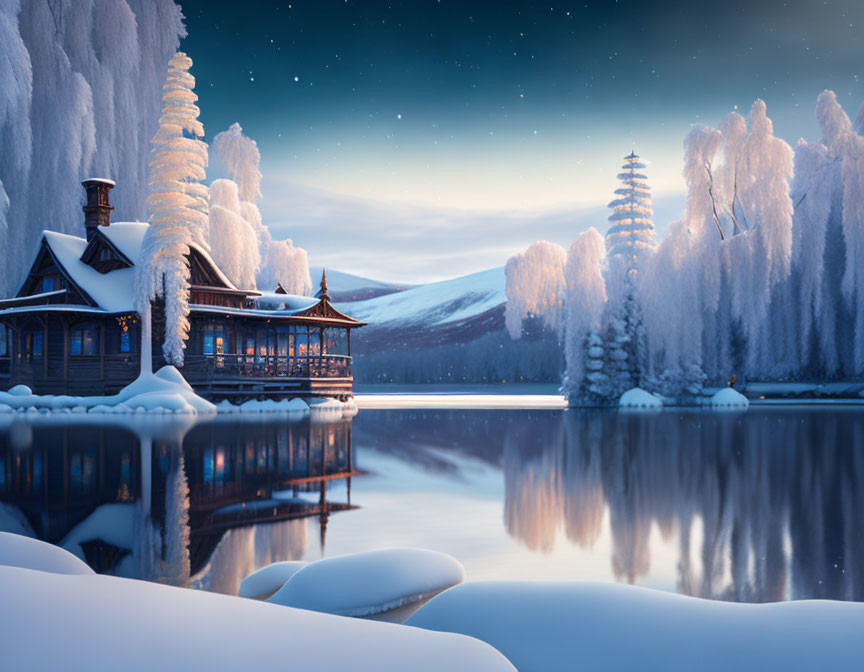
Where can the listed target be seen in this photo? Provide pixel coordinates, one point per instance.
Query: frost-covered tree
(233, 243)
(586, 297)
(629, 244)
(277, 261)
(715, 294)
(80, 86)
(630, 237)
(535, 287)
(286, 265)
(178, 207)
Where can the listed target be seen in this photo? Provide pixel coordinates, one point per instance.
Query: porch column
(65, 354)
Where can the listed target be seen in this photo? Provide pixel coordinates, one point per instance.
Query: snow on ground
(18, 551)
(164, 392)
(367, 583)
(729, 398)
(384, 401)
(269, 579)
(639, 398)
(548, 626)
(433, 304)
(292, 406)
(95, 622)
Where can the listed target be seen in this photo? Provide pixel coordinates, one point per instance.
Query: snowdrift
(93, 622)
(361, 584)
(639, 398)
(18, 551)
(550, 626)
(163, 392)
(269, 579)
(729, 398)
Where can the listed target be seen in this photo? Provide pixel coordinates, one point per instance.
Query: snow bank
(361, 584)
(727, 397)
(550, 626)
(269, 579)
(18, 551)
(293, 406)
(165, 391)
(639, 398)
(92, 622)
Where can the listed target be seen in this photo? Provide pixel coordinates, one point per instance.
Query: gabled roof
(114, 291)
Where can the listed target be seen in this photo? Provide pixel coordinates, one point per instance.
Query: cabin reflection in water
(156, 505)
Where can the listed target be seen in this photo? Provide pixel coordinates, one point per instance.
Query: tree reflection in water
(757, 506)
(764, 505)
(776, 496)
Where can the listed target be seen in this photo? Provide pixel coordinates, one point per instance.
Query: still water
(758, 506)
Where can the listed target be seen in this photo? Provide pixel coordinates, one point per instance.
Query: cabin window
(3, 342)
(262, 345)
(209, 346)
(84, 342)
(105, 254)
(47, 284)
(283, 341)
(33, 344)
(125, 342)
(302, 341)
(336, 341)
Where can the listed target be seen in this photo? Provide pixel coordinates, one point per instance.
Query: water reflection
(156, 501)
(759, 506)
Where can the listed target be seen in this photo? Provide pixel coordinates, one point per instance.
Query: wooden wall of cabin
(79, 355)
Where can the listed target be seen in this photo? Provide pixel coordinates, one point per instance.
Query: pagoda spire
(323, 295)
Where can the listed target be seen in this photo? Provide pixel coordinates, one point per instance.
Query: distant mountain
(345, 287)
(436, 304)
(449, 332)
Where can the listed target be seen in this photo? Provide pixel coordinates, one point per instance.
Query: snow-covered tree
(178, 207)
(80, 86)
(630, 237)
(286, 265)
(586, 297)
(535, 287)
(277, 261)
(233, 243)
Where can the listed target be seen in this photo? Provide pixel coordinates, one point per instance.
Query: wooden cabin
(72, 327)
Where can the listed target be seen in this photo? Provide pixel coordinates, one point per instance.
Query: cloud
(409, 243)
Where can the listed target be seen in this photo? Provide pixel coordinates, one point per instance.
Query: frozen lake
(763, 505)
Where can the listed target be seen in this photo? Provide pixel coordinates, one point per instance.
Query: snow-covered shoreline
(165, 392)
(66, 616)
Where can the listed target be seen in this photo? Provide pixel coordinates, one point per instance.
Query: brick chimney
(97, 211)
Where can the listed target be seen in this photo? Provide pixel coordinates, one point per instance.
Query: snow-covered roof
(284, 302)
(101, 179)
(115, 295)
(113, 292)
(126, 237)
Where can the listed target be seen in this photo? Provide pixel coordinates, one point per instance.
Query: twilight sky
(423, 139)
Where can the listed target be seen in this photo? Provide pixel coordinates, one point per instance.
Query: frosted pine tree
(178, 211)
(629, 242)
(631, 236)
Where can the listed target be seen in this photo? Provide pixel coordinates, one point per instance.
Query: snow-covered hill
(435, 304)
(346, 287)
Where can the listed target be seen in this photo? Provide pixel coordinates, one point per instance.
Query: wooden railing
(251, 366)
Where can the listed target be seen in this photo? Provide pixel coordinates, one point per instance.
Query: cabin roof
(113, 291)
